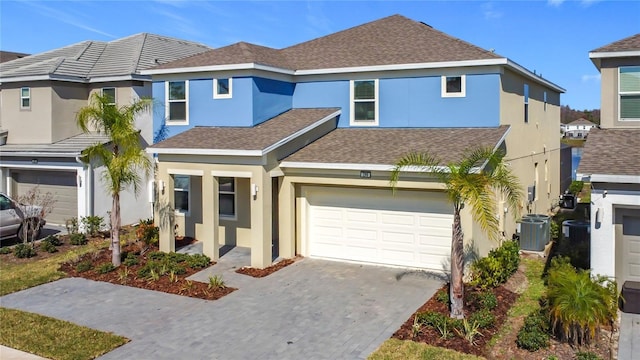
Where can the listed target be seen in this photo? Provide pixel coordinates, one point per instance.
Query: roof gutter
(74, 154)
(52, 77)
(609, 178)
(357, 167)
(596, 56)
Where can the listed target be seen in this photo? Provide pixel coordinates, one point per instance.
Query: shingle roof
(387, 146)
(391, 40)
(258, 137)
(627, 44)
(93, 59)
(72, 145)
(581, 121)
(10, 55)
(611, 152)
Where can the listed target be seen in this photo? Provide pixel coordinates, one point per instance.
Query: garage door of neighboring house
(631, 244)
(61, 184)
(410, 228)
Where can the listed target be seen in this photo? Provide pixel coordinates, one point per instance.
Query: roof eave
(609, 178)
(42, 153)
(358, 167)
(210, 68)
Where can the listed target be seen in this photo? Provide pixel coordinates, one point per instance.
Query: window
(5, 203)
(181, 184)
(110, 94)
(222, 88)
(454, 86)
(526, 103)
(177, 110)
(629, 90)
(364, 102)
(25, 98)
(545, 100)
(227, 195)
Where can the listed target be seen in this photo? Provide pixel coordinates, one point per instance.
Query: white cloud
(555, 3)
(489, 11)
(589, 78)
(65, 17)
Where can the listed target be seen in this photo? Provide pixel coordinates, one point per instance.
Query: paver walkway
(629, 342)
(312, 309)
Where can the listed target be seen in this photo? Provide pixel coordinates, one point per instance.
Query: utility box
(631, 296)
(531, 193)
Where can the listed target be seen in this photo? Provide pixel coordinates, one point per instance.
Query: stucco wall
(67, 99)
(609, 100)
(22, 122)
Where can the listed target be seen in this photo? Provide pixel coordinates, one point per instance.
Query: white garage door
(410, 228)
(61, 184)
(631, 239)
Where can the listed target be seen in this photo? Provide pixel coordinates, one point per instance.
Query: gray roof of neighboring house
(627, 44)
(258, 137)
(88, 60)
(10, 55)
(391, 40)
(70, 146)
(611, 152)
(386, 146)
(582, 121)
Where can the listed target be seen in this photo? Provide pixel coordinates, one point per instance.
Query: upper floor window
(176, 102)
(454, 86)
(25, 98)
(364, 102)
(222, 88)
(227, 196)
(110, 94)
(629, 90)
(181, 185)
(526, 103)
(545, 100)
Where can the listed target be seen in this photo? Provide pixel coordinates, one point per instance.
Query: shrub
(442, 296)
(198, 261)
(469, 331)
(72, 225)
(130, 260)
(53, 240)
(497, 267)
(147, 232)
(47, 246)
(105, 268)
(22, 251)
(576, 186)
(554, 230)
(534, 334)
(84, 266)
(487, 300)
(483, 318)
(216, 282)
(578, 303)
(5, 250)
(77, 239)
(587, 355)
(92, 224)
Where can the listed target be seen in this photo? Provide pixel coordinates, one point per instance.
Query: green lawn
(53, 338)
(394, 349)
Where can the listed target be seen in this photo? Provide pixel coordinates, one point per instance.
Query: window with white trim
(181, 186)
(629, 93)
(454, 86)
(364, 102)
(176, 102)
(545, 100)
(526, 103)
(227, 196)
(25, 98)
(222, 88)
(110, 94)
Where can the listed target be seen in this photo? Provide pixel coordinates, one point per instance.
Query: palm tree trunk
(456, 288)
(115, 229)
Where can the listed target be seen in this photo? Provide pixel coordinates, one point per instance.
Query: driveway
(312, 309)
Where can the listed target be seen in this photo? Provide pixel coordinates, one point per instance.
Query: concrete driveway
(312, 309)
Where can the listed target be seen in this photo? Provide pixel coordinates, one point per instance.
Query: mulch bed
(431, 336)
(181, 286)
(258, 273)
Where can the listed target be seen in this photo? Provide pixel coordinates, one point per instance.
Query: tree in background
(567, 115)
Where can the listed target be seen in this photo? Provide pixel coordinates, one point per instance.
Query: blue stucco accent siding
(324, 94)
(204, 110)
(270, 98)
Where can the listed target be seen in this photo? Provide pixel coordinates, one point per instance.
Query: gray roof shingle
(258, 137)
(627, 44)
(391, 40)
(611, 152)
(94, 59)
(386, 146)
(10, 55)
(72, 145)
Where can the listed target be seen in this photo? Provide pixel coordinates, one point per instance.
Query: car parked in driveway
(11, 219)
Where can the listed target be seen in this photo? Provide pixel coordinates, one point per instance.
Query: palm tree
(124, 158)
(473, 180)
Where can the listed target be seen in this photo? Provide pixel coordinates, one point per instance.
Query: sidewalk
(7, 353)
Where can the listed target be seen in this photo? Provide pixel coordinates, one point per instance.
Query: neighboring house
(10, 55)
(289, 151)
(40, 95)
(577, 129)
(611, 162)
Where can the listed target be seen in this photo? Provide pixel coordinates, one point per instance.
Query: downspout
(88, 189)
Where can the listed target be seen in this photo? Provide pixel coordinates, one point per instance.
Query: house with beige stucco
(611, 163)
(41, 144)
(288, 151)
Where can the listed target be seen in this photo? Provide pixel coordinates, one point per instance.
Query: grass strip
(52, 338)
(394, 349)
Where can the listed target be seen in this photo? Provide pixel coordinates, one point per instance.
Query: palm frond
(422, 161)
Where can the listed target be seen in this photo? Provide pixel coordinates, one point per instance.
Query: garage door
(61, 184)
(631, 241)
(410, 228)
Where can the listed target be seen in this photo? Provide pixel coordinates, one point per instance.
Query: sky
(552, 37)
